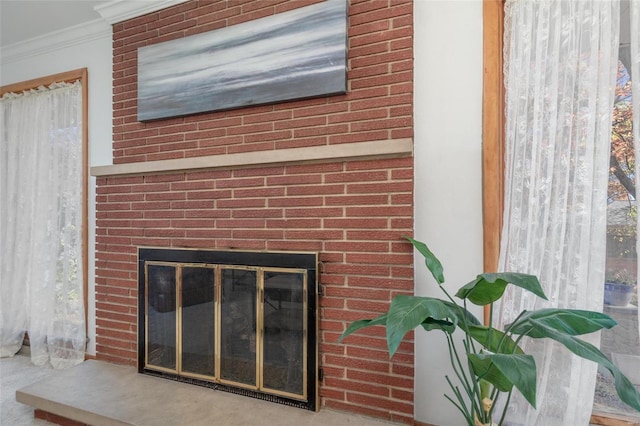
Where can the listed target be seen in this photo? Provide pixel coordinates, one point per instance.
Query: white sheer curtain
(41, 287)
(560, 73)
(634, 17)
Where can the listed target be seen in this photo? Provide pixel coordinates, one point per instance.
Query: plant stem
(447, 294)
(453, 353)
(495, 394)
(508, 330)
(466, 416)
(506, 406)
(520, 337)
(469, 384)
(462, 406)
(491, 324)
(494, 400)
(467, 335)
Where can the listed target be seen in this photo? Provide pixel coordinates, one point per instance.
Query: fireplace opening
(242, 322)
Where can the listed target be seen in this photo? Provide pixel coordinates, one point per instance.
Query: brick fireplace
(331, 175)
(241, 322)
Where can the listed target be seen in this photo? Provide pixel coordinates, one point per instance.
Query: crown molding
(111, 12)
(121, 10)
(56, 40)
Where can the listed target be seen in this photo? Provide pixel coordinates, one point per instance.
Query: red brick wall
(378, 105)
(352, 212)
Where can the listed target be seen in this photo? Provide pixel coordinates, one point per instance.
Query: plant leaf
(519, 370)
(482, 292)
(626, 391)
(568, 321)
(408, 312)
(485, 369)
(481, 335)
(487, 288)
(432, 262)
(434, 324)
(463, 317)
(357, 325)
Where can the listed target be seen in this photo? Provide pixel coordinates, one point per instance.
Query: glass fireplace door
(197, 315)
(238, 326)
(241, 328)
(161, 317)
(284, 328)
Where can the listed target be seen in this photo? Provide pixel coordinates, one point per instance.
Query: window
(45, 160)
(622, 342)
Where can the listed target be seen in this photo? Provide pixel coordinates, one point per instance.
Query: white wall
(90, 47)
(448, 173)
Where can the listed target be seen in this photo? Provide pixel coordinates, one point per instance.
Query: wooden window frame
(492, 133)
(493, 107)
(70, 77)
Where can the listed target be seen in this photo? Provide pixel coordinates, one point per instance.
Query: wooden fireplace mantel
(356, 150)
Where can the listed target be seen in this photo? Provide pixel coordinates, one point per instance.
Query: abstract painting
(301, 53)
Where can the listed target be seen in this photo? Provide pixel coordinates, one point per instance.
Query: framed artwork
(301, 53)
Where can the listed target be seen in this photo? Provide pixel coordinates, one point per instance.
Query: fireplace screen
(238, 321)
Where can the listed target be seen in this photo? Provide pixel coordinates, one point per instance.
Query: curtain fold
(560, 72)
(41, 224)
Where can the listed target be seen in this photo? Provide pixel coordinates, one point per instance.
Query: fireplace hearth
(242, 322)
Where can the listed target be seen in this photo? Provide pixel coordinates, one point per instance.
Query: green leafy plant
(621, 276)
(491, 362)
